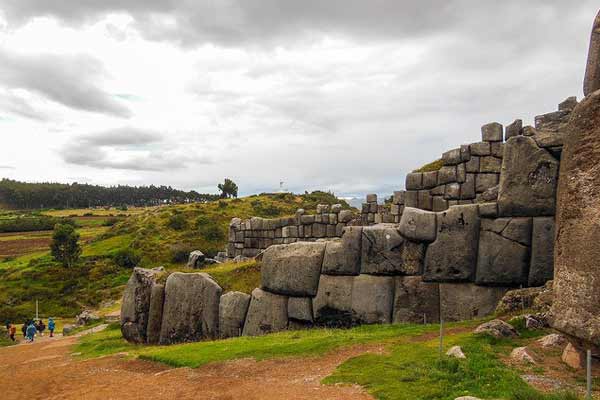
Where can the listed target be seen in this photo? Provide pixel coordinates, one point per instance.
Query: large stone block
(415, 301)
(501, 261)
(135, 307)
(492, 132)
(467, 301)
(514, 129)
(429, 179)
(300, 309)
(575, 309)
(447, 174)
(386, 252)
(425, 200)
(372, 299)
(414, 181)
(333, 304)
(472, 166)
(528, 180)
(294, 269)
(418, 225)
(553, 121)
(484, 182)
(452, 191)
(452, 157)
(490, 164)
(453, 255)
(541, 268)
(155, 313)
(592, 72)
(267, 313)
(191, 309)
(411, 198)
(480, 149)
(232, 313)
(343, 257)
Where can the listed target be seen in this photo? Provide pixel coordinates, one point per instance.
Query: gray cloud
(71, 80)
(126, 148)
(6, 167)
(17, 105)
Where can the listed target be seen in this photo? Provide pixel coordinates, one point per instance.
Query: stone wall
(250, 237)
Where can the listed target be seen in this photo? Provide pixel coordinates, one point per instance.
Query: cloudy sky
(341, 95)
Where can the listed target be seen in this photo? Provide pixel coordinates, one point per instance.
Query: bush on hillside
(127, 258)
(177, 222)
(180, 253)
(30, 224)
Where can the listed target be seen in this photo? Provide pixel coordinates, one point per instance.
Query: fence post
(589, 374)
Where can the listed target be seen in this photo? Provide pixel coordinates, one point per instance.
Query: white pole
(441, 323)
(589, 375)
(37, 315)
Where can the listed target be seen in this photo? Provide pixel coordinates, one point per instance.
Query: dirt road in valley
(47, 369)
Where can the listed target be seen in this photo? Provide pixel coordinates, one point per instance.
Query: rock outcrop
(232, 314)
(592, 72)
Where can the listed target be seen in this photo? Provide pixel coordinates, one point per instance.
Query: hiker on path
(40, 326)
(51, 326)
(31, 329)
(24, 329)
(12, 331)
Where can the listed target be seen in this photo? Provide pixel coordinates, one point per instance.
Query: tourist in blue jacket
(31, 330)
(51, 326)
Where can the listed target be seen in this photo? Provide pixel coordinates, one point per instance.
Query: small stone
(573, 357)
(520, 354)
(552, 340)
(372, 198)
(456, 352)
(399, 197)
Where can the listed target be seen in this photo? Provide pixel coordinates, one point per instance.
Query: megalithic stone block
(267, 313)
(418, 225)
(415, 301)
(541, 269)
(343, 257)
(453, 255)
(232, 313)
(592, 73)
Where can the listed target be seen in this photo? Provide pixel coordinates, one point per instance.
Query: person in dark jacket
(41, 327)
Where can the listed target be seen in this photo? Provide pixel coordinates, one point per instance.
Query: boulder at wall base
(415, 301)
(155, 313)
(372, 299)
(528, 180)
(233, 307)
(333, 304)
(135, 306)
(343, 257)
(267, 313)
(386, 252)
(191, 308)
(463, 301)
(526, 298)
(453, 255)
(575, 308)
(497, 328)
(293, 269)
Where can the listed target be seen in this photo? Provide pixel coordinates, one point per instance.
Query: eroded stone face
(418, 225)
(343, 257)
(372, 299)
(333, 304)
(415, 301)
(541, 268)
(528, 180)
(267, 313)
(232, 313)
(386, 252)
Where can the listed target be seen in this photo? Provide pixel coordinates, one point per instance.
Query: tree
(228, 188)
(65, 244)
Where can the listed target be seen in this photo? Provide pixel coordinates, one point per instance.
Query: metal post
(441, 323)
(589, 375)
(424, 319)
(37, 315)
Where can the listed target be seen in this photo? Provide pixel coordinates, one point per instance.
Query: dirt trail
(47, 369)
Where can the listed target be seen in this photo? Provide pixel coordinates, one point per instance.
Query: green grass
(432, 166)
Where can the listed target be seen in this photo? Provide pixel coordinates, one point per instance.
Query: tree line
(23, 195)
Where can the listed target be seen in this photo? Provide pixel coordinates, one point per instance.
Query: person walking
(51, 326)
(24, 329)
(12, 331)
(31, 329)
(41, 327)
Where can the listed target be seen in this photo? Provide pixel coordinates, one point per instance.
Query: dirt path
(47, 369)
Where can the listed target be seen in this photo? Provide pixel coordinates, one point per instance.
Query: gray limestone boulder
(333, 304)
(135, 306)
(497, 328)
(453, 255)
(300, 309)
(528, 180)
(541, 268)
(191, 308)
(233, 308)
(415, 301)
(463, 301)
(293, 269)
(196, 259)
(267, 313)
(343, 257)
(155, 313)
(386, 252)
(372, 299)
(418, 225)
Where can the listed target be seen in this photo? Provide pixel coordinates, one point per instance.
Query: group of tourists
(30, 329)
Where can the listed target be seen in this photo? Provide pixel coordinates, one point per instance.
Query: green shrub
(110, 221)
(177, 222)
(127, 258)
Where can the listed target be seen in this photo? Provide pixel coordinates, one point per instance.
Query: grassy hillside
(148, 238)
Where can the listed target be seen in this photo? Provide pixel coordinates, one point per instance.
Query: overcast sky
(341, 95)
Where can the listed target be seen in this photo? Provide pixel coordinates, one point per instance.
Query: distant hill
(23, 195)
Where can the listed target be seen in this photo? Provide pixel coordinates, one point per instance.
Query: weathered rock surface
(521, 354)
(232, 313)
(528, 179)
(136, 304)
(333, 304)
(592, 73)
(453, 255)
(86, 317)
(372, 299)
(461, 301)
(574, 357)
(155, 313)
(293, 269)
(300, 309)
(267, 313)
(541, 268)
(418, 225)
(191, 308)
(552, 340)
(521, 299)
(415, 301)
(196, 259)
(501, 261)
(576, 274)
(456, 352)
(497, 328)
(343, 257)
(386, 252)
